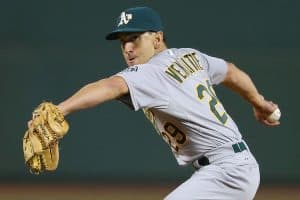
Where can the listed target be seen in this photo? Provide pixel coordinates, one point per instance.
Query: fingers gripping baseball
(267, 113)
(41, 140)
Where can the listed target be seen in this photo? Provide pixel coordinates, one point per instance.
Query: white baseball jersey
(174, 89)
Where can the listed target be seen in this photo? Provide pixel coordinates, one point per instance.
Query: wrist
(257, 100)
(62, 109)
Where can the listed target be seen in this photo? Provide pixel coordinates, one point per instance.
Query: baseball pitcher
(174, 89)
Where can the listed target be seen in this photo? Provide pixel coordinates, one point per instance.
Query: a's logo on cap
(124, 18)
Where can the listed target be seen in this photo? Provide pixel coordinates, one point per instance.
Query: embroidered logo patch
(125, 18)
(131, 69)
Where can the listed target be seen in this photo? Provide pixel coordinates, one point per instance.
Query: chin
(131, 63)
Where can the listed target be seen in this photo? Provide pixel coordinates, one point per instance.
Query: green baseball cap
(138, 19)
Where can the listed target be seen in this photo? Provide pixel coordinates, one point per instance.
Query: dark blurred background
(49, 49)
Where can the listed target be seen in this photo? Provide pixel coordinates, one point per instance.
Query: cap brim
(114, 35)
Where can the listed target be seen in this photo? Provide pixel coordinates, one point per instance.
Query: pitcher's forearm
(87, 97)
(241, 83)
(94, 94)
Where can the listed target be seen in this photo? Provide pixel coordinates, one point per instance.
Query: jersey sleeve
(216, 68)
(146, 87)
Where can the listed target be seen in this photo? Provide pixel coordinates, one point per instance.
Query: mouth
(131, 60)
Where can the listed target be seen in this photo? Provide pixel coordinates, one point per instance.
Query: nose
(128, 47)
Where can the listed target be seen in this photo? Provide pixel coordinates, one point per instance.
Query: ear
(158, 39)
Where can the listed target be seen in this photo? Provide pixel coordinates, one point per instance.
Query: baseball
(275, 116)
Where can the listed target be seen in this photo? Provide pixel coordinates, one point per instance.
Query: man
(174, 89)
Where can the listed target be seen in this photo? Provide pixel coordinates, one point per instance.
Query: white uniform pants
(231, 178)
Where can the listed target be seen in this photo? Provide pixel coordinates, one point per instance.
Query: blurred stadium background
(49, 49)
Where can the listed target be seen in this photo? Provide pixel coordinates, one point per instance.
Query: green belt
(239, 147)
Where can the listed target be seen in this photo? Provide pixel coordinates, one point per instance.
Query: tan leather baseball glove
(41, 140)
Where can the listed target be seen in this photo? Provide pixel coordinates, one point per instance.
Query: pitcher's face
(137, 48)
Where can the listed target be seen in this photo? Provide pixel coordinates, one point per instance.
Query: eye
(129, 38)
(133, 38)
